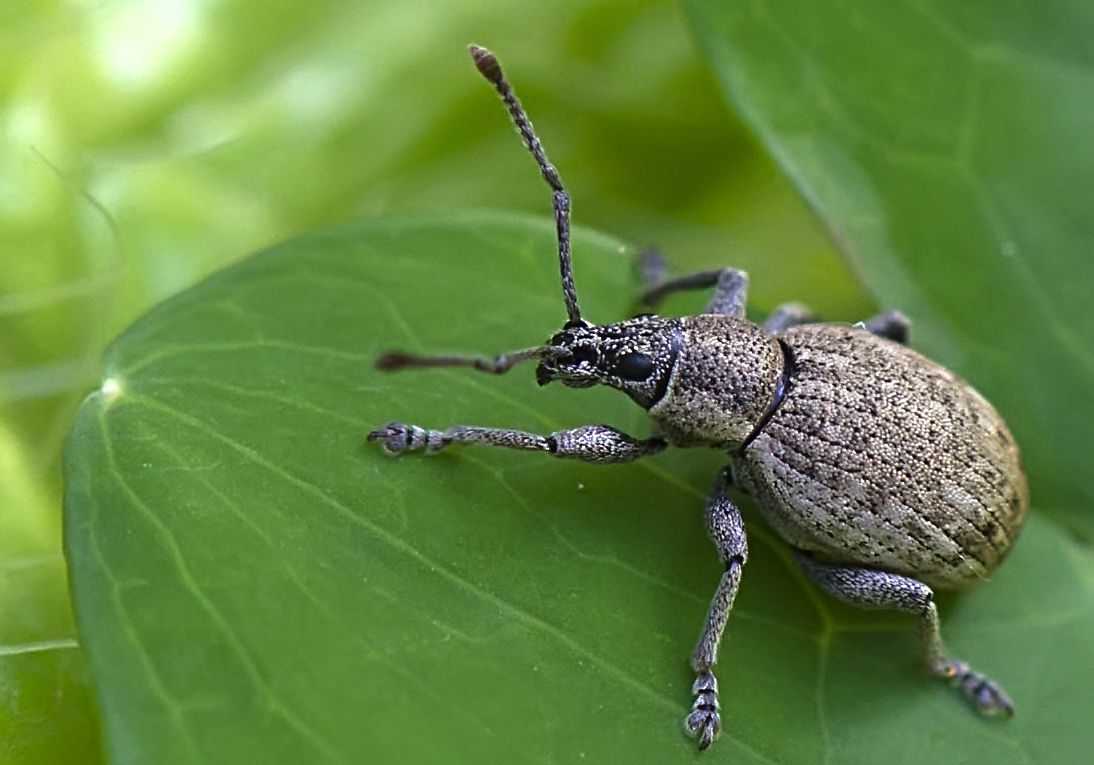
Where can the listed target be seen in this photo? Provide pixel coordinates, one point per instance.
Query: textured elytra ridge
(880, 457)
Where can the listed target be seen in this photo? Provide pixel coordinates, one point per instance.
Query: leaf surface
(254, 583)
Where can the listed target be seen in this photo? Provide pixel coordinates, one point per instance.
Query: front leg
(727, 531)
(590, 443)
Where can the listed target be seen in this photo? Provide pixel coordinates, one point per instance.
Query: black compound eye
(562, 338)
(633, 366)
(584, 353)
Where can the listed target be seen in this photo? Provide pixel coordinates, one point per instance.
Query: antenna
(490, 69)
(393, 361)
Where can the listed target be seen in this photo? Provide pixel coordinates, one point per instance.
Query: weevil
(887, 474)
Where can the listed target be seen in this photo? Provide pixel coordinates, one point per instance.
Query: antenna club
(392, 361)
(486, 63)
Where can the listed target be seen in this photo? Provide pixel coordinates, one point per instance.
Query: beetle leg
(589, 443)
(876, 589)
(786, 316)
(730, 286)
(652, 267)
(892, 324)
(727, 531)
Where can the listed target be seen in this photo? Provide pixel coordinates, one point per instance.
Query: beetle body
(886, 473)
(852, 445)
(878, 456)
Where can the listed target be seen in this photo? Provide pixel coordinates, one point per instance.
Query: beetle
(887, 474)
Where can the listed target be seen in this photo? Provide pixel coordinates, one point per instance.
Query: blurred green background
(145, 144)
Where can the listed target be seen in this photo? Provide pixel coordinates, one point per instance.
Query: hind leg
(891, 324)
(876, 589)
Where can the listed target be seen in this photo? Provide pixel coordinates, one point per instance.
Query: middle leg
(730, 285)
(786, 316)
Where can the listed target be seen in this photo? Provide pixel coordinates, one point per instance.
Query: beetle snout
(544, 375)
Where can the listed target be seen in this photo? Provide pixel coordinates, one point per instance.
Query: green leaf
(254, 583)
(948, 147)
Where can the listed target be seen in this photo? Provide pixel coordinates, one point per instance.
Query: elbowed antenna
(488, 66)
(393, 361)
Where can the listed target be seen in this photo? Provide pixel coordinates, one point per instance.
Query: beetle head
(635, 356)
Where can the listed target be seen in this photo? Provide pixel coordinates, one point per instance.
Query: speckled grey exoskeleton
(886, 473)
